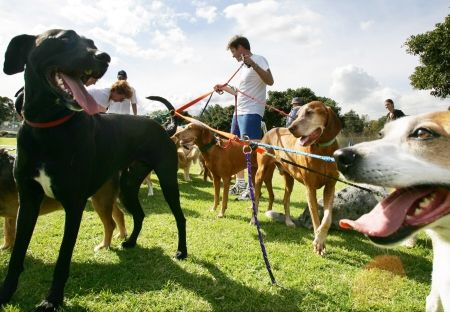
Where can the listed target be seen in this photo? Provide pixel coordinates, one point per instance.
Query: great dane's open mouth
(73, 91)
(403, 212)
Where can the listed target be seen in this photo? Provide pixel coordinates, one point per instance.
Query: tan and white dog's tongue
(311, 138)
(387, 216)
(83, 98)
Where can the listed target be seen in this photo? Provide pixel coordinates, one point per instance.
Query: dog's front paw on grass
(129, 244)
(46, 306)
(319, 247)
(181, 255)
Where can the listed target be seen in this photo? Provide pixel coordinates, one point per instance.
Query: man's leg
(251, 128)
(240, 184)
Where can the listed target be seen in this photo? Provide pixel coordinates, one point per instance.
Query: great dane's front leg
(55, 297)
(30, 198)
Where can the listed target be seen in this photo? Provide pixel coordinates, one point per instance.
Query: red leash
(201, 97)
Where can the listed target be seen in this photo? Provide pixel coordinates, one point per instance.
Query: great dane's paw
(220, 215)
(212, 208)
(46, 306)
(181, 255)
(6, 293)
(128, 244)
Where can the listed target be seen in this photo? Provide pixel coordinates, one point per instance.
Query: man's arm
(226, 88)
(133, 101)
(265, 75)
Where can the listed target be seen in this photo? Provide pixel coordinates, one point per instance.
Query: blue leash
(258, 226)
(278, 148)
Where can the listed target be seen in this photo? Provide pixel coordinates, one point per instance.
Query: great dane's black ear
(17, 52)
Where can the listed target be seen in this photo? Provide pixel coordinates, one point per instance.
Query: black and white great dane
(67, 154)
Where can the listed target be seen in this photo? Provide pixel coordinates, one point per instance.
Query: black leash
(330, 177)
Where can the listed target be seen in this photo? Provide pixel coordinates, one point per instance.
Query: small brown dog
(104, 202)
(188, 154)
(313, 131)
(223, 162)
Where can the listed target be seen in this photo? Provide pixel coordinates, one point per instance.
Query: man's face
(117, 97)
(121, 77)
(237, 52)
(388, 106)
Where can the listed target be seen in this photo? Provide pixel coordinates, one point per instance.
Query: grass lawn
(225, 270)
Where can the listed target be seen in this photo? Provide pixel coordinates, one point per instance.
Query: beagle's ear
(17, 53)
(334, 124)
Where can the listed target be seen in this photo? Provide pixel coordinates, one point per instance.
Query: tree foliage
(218, 117)
(7, 111)
(433, 49)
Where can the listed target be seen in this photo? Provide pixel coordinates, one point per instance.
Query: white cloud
(365, 25)
(207, 12)
(351, 83)
(353, 88)
(271, 20)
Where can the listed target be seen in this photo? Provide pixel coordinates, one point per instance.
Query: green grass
(225, 270)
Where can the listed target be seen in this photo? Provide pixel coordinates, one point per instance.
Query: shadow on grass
(144, 270)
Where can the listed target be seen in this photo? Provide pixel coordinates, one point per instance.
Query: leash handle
(248, 158)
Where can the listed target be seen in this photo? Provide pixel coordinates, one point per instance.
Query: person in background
(253, 79)
(296, 103)
(105, 97)
(123, 107)
(393, 113)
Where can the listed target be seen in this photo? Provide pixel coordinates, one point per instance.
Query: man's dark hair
(238, 41)
(389, 101)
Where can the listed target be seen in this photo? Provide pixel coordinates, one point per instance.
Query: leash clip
(246, 149)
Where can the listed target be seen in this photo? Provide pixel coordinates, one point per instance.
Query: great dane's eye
(423, 134)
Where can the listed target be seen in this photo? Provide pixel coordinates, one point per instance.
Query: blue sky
(349, 50)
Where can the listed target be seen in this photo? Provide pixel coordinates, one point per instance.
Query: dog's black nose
(103, 56)
(345, 158)
(292, 128)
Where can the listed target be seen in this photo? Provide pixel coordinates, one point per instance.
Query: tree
(282, 100)
(218, 117)
(433, 49)
(7, 111)
(353, 123)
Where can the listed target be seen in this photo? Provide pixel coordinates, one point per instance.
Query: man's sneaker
(237, 188)
(245, 195)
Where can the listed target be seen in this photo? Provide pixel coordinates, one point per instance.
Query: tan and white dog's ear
(334, 125)
(16, 54)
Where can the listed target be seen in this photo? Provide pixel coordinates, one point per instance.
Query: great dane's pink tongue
(83, 98)
(388, 215)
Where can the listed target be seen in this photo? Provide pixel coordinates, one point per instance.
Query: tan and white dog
(414, 157)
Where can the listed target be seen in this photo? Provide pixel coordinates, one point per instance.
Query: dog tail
(171, 125)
